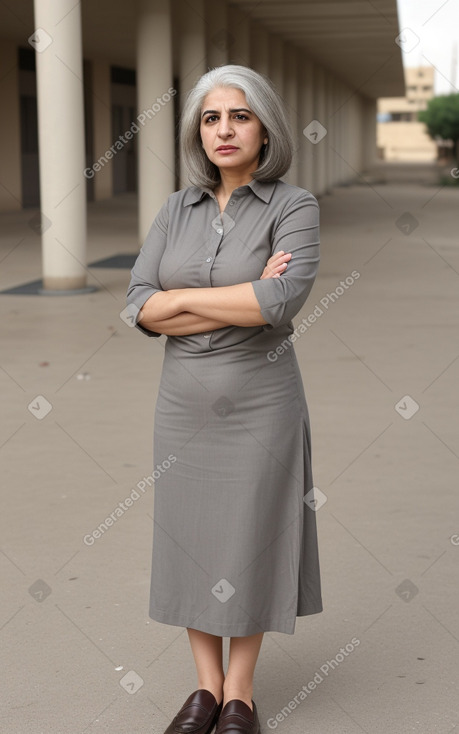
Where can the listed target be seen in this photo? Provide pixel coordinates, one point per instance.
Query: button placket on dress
(222, 224)
(206, 267)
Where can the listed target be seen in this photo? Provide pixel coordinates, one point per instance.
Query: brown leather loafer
(237, 718)
(198, 714)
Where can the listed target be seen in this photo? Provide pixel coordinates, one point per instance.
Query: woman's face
(232, 135)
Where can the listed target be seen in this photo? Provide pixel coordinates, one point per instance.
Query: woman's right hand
(276, 265)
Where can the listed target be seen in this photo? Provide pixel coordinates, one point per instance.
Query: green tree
(442, 119)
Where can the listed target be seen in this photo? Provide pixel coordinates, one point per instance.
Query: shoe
(198, 714)
(237, 718)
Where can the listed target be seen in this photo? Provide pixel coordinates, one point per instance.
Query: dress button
(219, 231)
(231, 203)
(208, 260)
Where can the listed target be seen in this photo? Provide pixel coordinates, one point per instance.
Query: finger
(274, 272)
(279, 258)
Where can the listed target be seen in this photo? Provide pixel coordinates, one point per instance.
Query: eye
(211, 118)
(241, 116)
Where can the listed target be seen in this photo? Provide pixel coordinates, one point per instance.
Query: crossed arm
(184, 311)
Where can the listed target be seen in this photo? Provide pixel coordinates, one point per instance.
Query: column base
(64, 285)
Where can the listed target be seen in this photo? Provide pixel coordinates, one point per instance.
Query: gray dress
(234, 543)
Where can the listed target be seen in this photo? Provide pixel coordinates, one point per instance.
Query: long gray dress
(234, 543)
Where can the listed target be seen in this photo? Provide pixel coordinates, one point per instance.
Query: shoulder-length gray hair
(275, 158)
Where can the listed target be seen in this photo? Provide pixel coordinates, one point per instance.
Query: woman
(226, 265)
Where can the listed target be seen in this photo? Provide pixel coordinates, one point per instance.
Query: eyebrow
(236, 109)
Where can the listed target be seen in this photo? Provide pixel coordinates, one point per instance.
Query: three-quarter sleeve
(297, 232)
(144, 275)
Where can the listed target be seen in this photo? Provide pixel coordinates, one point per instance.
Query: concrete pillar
(331, 129)
(191, 43)
(331, 107)
(369, 132)
(259, 49)
(155, 92)
(239, 37)
(102, 127)
(356, 132)
(354, 142)
(291, 97)
(217, 35)
(347, 145)
(306, 110)
(346, 149)
(344, 112)
(188, 17)
(10, 129)
(276, 63)
(320, 160)
(346, 141)
(57, 42)
(338, 115)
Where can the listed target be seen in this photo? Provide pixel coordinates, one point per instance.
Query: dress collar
(264, 191)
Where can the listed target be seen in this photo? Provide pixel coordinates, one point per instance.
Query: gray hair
(264, 100)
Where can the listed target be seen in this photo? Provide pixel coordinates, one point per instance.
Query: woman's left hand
(276, 265)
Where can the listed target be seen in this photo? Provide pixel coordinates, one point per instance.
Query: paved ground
(381, 369)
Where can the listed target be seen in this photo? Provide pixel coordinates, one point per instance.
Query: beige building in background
(402, 137)
(91, 93)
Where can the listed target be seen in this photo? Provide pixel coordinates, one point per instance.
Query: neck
(231, 180)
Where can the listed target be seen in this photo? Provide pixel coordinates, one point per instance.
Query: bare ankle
(214, 686)
(241, 693)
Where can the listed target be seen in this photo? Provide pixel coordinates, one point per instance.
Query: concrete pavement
(380, 364)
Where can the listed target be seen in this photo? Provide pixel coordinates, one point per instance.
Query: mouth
(226, 148)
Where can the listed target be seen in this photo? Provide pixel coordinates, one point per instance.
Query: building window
(402, 116)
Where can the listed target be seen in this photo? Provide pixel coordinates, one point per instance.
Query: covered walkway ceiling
(354, 39)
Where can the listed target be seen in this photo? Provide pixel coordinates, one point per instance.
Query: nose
(225, 129)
